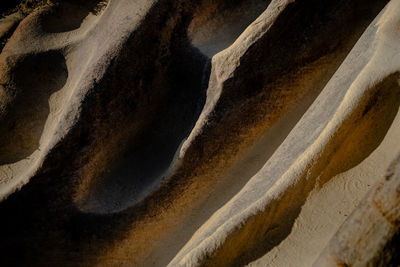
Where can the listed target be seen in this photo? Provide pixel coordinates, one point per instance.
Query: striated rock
(196, 133)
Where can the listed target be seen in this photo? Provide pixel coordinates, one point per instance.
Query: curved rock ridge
(200, 133)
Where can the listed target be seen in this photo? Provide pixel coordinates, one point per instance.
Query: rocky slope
(200, 133)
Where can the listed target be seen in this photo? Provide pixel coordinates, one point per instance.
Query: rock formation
(200, 133)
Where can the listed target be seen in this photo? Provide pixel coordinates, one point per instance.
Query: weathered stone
(197, 133)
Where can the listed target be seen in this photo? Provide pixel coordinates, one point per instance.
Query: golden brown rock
(193, 133)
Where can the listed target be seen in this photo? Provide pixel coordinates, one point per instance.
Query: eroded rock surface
(370, 236)
(198, 133)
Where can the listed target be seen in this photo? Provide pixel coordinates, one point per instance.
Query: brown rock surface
(192, 133)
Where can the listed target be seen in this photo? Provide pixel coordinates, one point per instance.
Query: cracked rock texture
(200, 133)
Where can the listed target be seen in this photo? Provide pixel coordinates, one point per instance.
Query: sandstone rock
(192, 133)
(370, 236)
(8, 23)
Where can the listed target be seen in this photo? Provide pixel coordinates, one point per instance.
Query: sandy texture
(370, 236)
(326, 208)
(193, 133)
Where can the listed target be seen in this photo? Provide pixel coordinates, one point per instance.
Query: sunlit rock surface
(200, 133)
